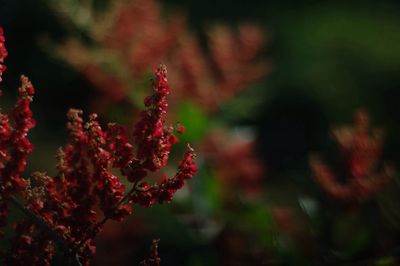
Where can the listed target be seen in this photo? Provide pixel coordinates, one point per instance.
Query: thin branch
(107, 217)
(39, 221)
(61, 241)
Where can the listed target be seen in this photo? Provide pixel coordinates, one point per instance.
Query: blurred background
(261, 87)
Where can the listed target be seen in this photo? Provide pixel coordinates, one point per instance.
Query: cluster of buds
(15, 146)
(70, 208)
(361, 147)
(133, 35)
(3, 53)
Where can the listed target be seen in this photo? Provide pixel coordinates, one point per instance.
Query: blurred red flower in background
(361, 147)
(233, 155)
(133, 36)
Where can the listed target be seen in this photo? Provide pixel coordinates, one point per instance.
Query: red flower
(181, 129)
(361, 147)
(3, 52)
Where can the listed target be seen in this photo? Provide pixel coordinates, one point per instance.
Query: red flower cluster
(236, 163)
(15, 146)
(70, 208)
(361, 147)
(3, 53)
(152, 138)
(147, 195)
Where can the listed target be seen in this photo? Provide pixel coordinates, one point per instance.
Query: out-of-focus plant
(233, 156)
(131, 36)
(69, 209)
(361, 147)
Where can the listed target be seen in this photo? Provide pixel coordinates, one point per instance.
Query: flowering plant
(361, 147)
(130, 36)
(70, 208)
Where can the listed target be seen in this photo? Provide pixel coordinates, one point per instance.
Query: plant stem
(39, 221)
(61, 241)
(98, 225)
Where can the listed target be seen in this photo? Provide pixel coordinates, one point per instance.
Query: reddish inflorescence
(136, 36)
(163, 192)
(361, 147)
(70, 208)
(15, 146)
(236, 162)
(3, 53)
(152, 138)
